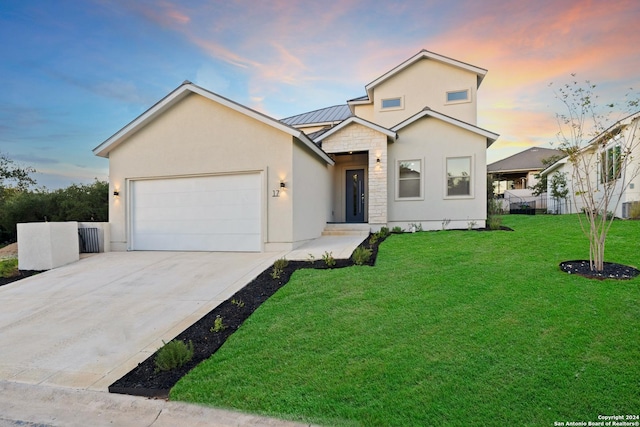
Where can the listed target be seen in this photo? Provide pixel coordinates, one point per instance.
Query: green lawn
(8, 267)
(450, 328)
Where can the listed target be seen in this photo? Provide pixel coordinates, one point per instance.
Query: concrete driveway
(86, 324)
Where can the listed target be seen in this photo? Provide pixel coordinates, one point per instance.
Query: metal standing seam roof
(337, 113)
(360, 98)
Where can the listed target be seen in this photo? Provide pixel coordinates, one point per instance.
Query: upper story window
(392, 103)
(458, 96)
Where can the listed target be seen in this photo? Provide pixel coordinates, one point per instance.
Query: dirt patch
(9, 251)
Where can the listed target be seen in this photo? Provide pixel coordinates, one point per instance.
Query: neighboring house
(198, 171)
(520, 171)
(603, 155)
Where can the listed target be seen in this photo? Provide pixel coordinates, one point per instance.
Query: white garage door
(215, 213)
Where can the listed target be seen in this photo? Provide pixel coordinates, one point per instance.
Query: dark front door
(355, 195)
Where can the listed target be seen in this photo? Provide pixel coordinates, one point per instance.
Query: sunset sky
(74, 72)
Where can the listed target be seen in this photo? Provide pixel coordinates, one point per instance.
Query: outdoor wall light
(282, 187)
(116, 193)
(378, 160)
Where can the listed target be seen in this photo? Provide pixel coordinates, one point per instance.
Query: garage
(206, 213)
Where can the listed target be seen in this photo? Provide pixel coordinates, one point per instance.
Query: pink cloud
(286, 48)
(165, 14)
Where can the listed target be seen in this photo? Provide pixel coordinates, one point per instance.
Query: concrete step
(346, 230)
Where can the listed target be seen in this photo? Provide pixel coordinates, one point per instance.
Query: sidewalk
(42, 406)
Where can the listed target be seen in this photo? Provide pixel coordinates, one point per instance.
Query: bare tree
(601, 158)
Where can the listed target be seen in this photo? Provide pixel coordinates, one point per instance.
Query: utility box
(47, 245)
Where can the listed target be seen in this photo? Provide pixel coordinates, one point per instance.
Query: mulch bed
(21, 275)
(611, 270)
(145, 381)
(502, 228)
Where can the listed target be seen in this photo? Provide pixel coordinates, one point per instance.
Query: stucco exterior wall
(200, 137)
(433, 141)
(310, 189)
(47, 245)
(365, 111)
(425, 84)
(358, 138)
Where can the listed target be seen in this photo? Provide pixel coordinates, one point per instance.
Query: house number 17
(276, 193)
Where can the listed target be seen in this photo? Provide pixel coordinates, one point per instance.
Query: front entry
(355, 195)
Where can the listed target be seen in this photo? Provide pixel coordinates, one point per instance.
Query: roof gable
(423, 54)
(182, 92)
(427, 112)
(353, 119)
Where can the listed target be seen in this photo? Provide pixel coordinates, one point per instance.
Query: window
(391, 103)
(409, 178)
(610, 164)
(459, 176)
(458, 96)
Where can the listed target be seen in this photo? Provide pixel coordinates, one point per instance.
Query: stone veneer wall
(357, 137)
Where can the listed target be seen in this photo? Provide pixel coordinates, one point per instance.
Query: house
(515, 177)
(520, 171)
(198, 171)
(613, 161)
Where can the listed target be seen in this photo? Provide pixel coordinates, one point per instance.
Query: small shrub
(328, 259)
(373, 239)
(278, 268)
(379, 236)
(311, 259)
(413, 227)
(281, 263)
(173, 355)
(494, 206)
(397, 229)
(361, 255)
(494, 222)
(9, 267)
(471, 224)
(238, 302)
(445, 223)
(218, 325)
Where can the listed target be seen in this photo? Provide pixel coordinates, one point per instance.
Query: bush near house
(8, 267)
